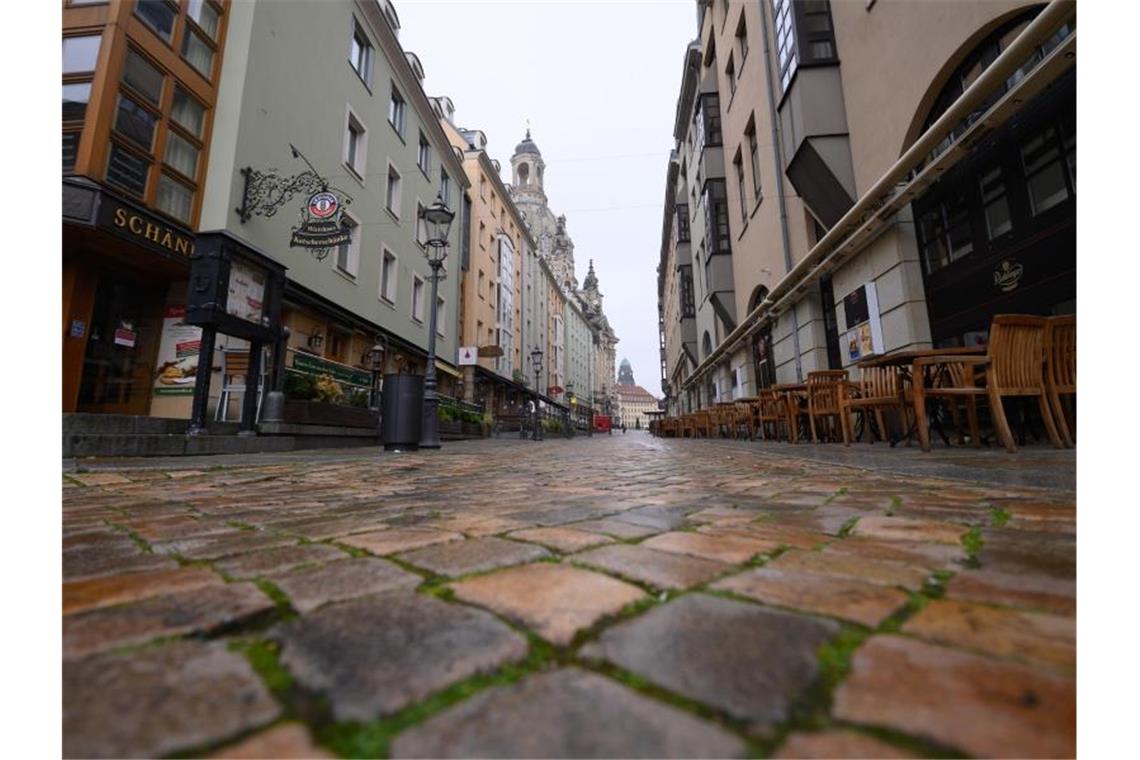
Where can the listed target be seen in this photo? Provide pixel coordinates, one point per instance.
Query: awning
(447, 369)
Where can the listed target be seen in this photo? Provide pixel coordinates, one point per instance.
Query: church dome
(527, 146)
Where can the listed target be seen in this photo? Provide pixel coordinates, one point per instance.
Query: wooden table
(906, 361)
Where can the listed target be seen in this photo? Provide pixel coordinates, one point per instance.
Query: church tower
(527, 169)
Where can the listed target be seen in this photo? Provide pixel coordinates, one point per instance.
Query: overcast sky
(598, 82)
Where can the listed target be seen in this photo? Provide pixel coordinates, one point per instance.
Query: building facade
(633, 402)
(863, 213)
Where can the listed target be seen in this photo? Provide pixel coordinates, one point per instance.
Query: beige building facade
(895, 174)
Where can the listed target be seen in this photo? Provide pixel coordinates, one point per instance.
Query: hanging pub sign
(321, 227)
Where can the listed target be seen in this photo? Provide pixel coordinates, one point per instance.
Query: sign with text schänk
(321, 226)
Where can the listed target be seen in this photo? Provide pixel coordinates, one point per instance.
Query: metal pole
(249, 398)
(202, 383)
(429, 435)
(536, 373)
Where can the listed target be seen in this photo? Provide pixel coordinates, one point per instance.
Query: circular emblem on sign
(323, 205)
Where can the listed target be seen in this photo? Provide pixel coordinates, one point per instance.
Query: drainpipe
(778, 154)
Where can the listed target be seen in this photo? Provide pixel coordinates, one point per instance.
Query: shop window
(127, 170)
(142, 77)
(159, 15)
(80, 54)
(174, 198)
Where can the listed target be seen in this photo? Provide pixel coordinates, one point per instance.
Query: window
(360, 53)
(738, 162)
(423, 155)
(355, 146)
(392, 199)
(417, 298)
(688, 304)
(70, 149)
(482, 234)
(682, 213)
(992, 187)
(127, 170)
(754, 156)
(75, 99)
(706, 122)
(142, 77)
(944, 231)
(397, 112)
(80, 54)
(198, 52)
(388, 277)
(482, 187)
(135, 122)
(445, 187)
(730, 74)
(205, 16)
(159, 15)
(440, 315)
(187, 113)
(742, 39)
(785, 41)
(421, 225)
(181, 155)
(1044, 168)
(348, 254)
(716, 217)
(175, 198)
(480, 285)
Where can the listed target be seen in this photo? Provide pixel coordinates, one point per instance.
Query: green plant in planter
(299, 387)
(358, 398)
(486, 422)
(328, 390)
(445, 413)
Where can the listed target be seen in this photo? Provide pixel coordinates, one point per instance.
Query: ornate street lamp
(536, 362)
(437, 220)
(570, 410)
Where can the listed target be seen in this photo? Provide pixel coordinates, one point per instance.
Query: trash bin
(401, 415)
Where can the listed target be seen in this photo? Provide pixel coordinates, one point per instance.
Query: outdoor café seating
(915, 392)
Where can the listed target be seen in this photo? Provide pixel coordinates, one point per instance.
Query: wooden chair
(878, 388)
(704, 422)
(235, 368)
(824, 389)
(686, 427)
(1061, 372)
(742, 419)
(771, 411)
(1013, 366)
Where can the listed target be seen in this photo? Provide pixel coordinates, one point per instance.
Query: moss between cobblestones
(998, 517)
(896, 503)
(244, 526)
(139, 540)
(67, 478)
(972, 542)
(847, 526)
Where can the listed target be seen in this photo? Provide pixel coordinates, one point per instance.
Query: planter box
(451, 427)
(473, 429)
(319, 413)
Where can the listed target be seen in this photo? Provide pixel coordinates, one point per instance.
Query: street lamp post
(437, 218)
(570, 410)
(536, 361)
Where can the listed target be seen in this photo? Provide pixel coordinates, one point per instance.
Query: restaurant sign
(144, 229)
(321, 226)
(314, 365)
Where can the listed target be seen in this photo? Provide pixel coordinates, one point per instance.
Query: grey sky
(598, 82)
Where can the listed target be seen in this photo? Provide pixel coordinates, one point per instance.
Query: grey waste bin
(401, 415)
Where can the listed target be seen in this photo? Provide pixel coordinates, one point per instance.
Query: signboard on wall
(468, 355)
(246, 298)
(864, 336)
(177, 354)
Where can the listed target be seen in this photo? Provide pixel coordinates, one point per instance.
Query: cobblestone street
(616, 596)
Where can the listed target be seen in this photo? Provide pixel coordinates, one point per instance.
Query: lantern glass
(437, 222)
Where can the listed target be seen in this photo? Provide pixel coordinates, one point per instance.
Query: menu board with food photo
(246, 292)
(177, 354)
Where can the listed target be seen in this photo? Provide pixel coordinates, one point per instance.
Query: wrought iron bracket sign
(320, 227)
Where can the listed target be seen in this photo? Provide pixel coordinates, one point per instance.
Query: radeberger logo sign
(321, 224)
(1008, 275)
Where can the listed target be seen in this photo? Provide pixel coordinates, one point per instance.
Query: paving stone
(159, 701)
(664, 570)
(565, 540)
(615, 528)
(288, 740)
(565, 713)
(729, 548)
(555, 600)
(309, 588)
(200, 610)
(837, 743)
(929, 556)
(375, 655)
(98, 478)
(1034, 592)
(399, 540)
(275, 561)
(656, 517)
(111, 559)
(748, 661)
(1031, 636)
(486, 526)
(883, 572)
(105, 591)
(1020, 551)
(473, 555)
(849, 598)
(980, 705)
(556, 516)
(779, 535)
(909, 529)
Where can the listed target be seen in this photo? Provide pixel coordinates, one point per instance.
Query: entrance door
(122, 346)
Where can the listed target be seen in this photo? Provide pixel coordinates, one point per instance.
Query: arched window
(524, 174)
(757, 297)
(706, 345)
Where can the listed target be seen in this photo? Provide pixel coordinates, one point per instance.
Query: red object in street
(603, 423)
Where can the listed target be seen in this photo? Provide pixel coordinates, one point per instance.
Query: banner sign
(315, 365)
(321, 224)
(468, 355)
(177, 354)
